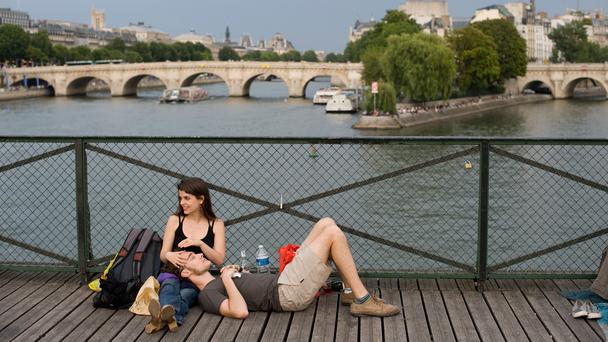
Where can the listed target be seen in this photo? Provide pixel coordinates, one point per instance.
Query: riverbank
(17, 94)
(411, 115)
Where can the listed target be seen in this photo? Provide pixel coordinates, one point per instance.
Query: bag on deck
(138, 259)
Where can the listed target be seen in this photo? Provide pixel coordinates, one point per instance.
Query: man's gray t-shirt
(260, 291)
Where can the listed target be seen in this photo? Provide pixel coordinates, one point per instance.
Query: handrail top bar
(326, 140)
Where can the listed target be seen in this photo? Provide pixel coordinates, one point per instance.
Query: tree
(386, 99)
(572, 45)
(36, 55)
(80, 53)
(291, 56)
(310, 56)
(394, 23)
(476, 59)
(117, 44)
(335, 58)
(372, 65)
(131, 56)
(13, 42)
(228, 54)
(255, 55)
(40, 40)
(421, 66)
(270, 56)
(60, 54)
(143, 50)
(511, 47)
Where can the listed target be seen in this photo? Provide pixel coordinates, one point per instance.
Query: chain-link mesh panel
(547, 208)
(37, 211)
(394, 200)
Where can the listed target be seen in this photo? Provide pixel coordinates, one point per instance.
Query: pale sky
(308, 24)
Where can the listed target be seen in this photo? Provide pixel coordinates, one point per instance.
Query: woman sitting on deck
(194, 228)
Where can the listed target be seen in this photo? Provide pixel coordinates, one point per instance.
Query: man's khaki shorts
(301, 279)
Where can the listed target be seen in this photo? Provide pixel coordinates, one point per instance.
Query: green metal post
(82, 210)
(482, 233)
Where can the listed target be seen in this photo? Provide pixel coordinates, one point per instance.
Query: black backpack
(138, 259)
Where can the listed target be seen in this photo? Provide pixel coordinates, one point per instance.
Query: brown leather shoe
(374, 307)
(347, 298)
(167, 314)
(155, 323)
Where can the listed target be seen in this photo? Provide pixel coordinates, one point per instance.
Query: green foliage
(291, 56)
(310, 56)
(14, 42)
(227, 54)
(36, 55)
(131, 56)
(252, 56)
(40, 40)
(511, 47)
(143, 50)
(476, 59)
(572, 45)
(335, 58)
(60, 54)
(269, 56)
(116, 44)
(80, 53)
(421, 66)
(372, 65)
(394, 23)
(386, 99)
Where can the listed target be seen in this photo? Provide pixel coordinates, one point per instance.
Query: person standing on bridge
(234, 294)
(194, 228)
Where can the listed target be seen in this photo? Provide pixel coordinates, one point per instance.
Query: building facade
(146, 33)
(19, 18)
(432, 15)
(98, 19)
(358, 30)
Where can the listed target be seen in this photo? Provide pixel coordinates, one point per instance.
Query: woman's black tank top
(209, 239)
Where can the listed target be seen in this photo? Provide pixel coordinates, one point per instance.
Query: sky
(308, 24)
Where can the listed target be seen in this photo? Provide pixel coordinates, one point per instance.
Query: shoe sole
(594, 316)
(155, 323)
(579, 314)
(168, 315)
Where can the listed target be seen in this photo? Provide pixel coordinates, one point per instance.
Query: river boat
(346, 101)
(184, 94)
(323, 95)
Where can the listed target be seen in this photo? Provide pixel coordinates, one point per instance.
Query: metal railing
(439, 207)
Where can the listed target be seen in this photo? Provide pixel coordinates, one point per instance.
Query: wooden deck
(54, 307)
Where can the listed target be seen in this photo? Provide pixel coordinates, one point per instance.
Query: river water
(433, 209)
(269, 112)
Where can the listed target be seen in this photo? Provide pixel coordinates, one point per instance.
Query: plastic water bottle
(244, 263)
(262, 260)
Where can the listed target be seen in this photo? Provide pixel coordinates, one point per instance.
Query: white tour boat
(346, 101)
(184, 94)
(322, 96)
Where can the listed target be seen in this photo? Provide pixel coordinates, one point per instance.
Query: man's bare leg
(327, 241)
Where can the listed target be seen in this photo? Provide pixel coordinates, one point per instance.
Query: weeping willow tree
(386, 99)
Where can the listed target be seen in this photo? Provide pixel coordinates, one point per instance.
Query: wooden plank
(325, 319)
(133, 329)
(370, 283)
(565, 284)
(277, 326)
(370, 329)
(10, 276)
(69, 322)
(489, 285)
(527, 317)
(347, 328)
(394, 326)
(415, 319)
(252, 327)
(388, 283)
(466, 284)
(482, 316)
(579, 326)
(408, 284)
(441, 330)
(193, 316)
(550, 318)
(462, 323)
(527, 285)
(54, 316)
(89, 325)
(428, 284)
(507, 284)
(39, 310)
(546, 285)
(111, 327)
(505, 318)
(205, 327)
(302, 323)
(447, 285)
(583, 283)
(17, 283)
(227, 330)
(16, 307)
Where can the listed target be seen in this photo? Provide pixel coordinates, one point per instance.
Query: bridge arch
(571, 83)
(539, 87)
(129, 88)
(311, 77)
(223, 90)
(78, 85)
(252, 77)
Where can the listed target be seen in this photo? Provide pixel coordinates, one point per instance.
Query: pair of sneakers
(375, 306)
(160, 317)
(585, 309)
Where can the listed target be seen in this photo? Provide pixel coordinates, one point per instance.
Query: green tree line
(413, 65)
(572, 45)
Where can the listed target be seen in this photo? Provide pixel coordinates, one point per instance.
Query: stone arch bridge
(561, 79)
(238, 76)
